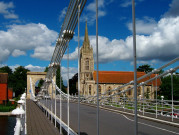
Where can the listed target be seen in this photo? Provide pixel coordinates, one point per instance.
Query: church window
(139, 91)
(87, 64)
(109, 88)
(129, 92)
(89, 89)
(147, 93)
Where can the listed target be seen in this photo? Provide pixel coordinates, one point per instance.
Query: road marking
(151, 125)
(144, 123)
(159, 128)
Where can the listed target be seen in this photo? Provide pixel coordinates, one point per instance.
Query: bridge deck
(37, 122)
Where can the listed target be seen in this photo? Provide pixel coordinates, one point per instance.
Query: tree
(72, 84)
(58, 76)
(6, 69)
(19, 79)
(40, 83)
(165, 87)
(46, 69)
(145, 68)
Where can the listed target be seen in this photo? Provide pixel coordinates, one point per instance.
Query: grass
(8, 107)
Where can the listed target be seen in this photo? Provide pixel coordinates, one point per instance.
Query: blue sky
(29, 30)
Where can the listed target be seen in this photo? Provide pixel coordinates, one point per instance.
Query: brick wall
(3, 92)
(10, 93)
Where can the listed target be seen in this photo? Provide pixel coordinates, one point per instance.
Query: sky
(29, 30)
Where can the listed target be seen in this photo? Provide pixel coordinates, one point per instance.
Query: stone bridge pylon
(35, 76)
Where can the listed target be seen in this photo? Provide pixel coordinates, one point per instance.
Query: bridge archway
(35, 76)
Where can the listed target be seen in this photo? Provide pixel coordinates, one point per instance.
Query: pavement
(37, 122)
(110, 123)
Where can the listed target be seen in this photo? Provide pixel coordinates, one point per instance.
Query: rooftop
(122, 77)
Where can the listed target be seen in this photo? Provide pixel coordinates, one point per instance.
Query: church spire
(86, 42)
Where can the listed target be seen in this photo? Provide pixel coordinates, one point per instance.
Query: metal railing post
(55, 104)
(68, 89)
(156, 95)
(60, 102)
(172, 92)
(52, 102)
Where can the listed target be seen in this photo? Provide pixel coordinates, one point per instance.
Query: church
(108, 80)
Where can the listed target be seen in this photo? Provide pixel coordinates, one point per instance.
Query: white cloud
(62, 14)
(35, 68)
(17, 53)
(161, 44)
(5, 10)
(72, 56)
(43, 53)
(27, 37)
(141, 62)
(127, 3)
(174, 9)
(72, 72)
(145, 26)
(4, 54)
(90, 9)
(14, 67)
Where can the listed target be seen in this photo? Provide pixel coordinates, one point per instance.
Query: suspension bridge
(107, 113)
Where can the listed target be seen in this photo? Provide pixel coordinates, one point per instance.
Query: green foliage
(165, 88)
(40, 83)
(17, 98)
(58, 77)
(6, 69)
(19, 80)
(46, 69)
(8, 107)
(72, 84)
(145, 68)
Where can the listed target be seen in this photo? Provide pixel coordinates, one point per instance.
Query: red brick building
(10, 93)
(3, 88)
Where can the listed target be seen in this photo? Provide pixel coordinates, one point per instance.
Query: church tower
(86, 63)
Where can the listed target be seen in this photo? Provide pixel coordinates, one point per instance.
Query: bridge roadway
(110, 123)
(37, 123)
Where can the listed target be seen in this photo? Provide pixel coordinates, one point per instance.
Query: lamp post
(162, 97)
(140, 102)
(172, 92)
(124, 100)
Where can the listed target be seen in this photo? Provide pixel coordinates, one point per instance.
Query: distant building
(10, 93)
(3, 88)
(5, 92)
(108, 80)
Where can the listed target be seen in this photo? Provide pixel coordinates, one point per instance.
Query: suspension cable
(60, 101)
(68, 87)
(78, 68)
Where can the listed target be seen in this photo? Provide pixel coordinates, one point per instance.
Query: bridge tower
(35, 76)
(86, 65)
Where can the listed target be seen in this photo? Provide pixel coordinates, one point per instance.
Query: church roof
(3, 77)
(122, 77)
